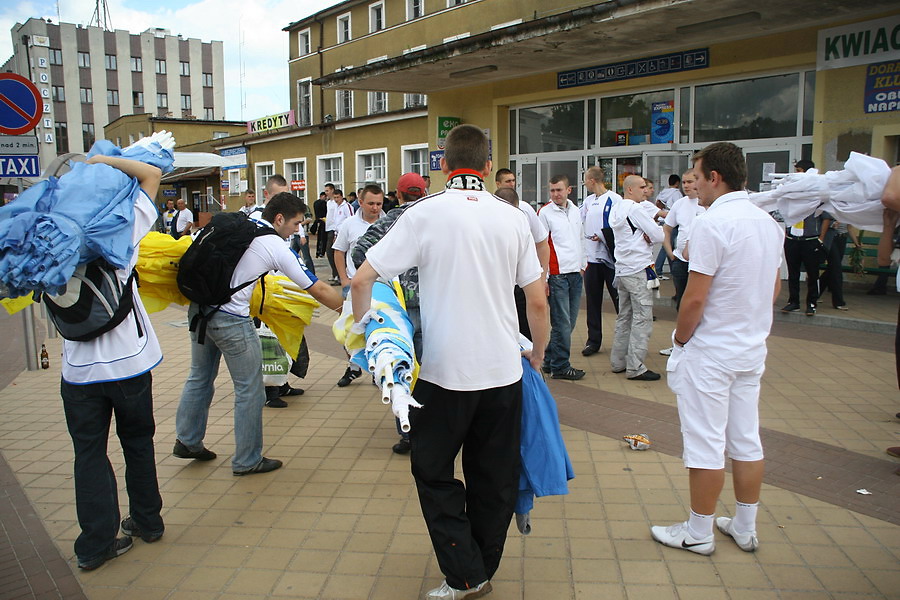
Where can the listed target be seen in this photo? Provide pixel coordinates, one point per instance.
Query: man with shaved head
(635, 233)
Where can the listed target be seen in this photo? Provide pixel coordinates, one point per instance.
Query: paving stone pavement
(341, 519)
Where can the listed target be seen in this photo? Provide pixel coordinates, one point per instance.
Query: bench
(870, 257)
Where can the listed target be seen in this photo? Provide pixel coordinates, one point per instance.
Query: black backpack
(206, 269)
(93, 302)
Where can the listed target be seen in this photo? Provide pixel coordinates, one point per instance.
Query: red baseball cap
(412, 184)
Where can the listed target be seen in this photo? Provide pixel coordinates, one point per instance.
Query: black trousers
(680, 279)
(467, 523)
(833, 276)
(805, 254)
(329, 252)
(595, 276)
(521, 312)
(321, 239)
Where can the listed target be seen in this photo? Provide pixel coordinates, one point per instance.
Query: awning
(206, 159)
(187, 174)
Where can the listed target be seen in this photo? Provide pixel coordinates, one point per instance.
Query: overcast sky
(262, 57)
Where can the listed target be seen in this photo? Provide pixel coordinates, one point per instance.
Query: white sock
(700, 526)
(744, 517)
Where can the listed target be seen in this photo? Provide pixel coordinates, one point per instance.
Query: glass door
(569, 165)
(617, 168)
(659, 165)
(762, 162)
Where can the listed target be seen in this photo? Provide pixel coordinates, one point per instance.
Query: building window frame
(88, 135)
(162, 100)
(344, 25)
(84, 60)
(209, 114)
(58, 93)
(86, 95)
(304, 42)
(160, 66)
(343, 101)
(413, 161)
(61, 128)
(137, 99)
(415, 100)
(378, 102)
(376, 16)
(291, 171)
(304, 102)
(186, 102)
(380, 178)
(207, 79)
(261, 172)
(415, 9)
(327, 173)
(55, 56)
(185, 68)
(110, 62)
(137, 64)
(112, 97)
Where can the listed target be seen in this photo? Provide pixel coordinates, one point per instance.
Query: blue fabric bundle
(60, 223)
(388, 338)
(545, 462)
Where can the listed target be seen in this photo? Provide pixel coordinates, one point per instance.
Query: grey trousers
(633, 325)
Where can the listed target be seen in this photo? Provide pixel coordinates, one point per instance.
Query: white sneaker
(445, 592)
(666, 351)
(663, 278)
(677, 536)
(745, 541)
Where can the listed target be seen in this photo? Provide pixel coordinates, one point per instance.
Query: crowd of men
(533, 266)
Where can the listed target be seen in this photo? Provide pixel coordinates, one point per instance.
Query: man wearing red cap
(410, 187)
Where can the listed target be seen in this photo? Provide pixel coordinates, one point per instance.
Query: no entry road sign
(20, 104)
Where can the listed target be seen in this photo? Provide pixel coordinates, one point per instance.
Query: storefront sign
(859, 44)
(676, 62)
(662, 122)
(445, 124)
(271, 122)
(882, 92)
(298, 185)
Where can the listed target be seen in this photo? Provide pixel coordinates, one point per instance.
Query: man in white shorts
(720, 350)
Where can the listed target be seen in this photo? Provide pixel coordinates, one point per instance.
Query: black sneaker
(263, 466)
(790, 307)
(276, 403)
(181, 451)
(589, 350)
(401, 447)
(118, 548)
(287, 390)
(545, 368)
(647, 375)
(810, 310)
(349, 375)
(572, 374)
(131, 529)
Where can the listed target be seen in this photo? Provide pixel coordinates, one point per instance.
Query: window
(344, 102)
(208, 114)
(185, 68)
(58, 93)
(371, 167)
(343, 28)
(137, 65)
(414, 9)
(84, 59)
(412, 100)
(295, 170)
(137, 99)
(415, 159)
(331, 170)
(87, 135)
(762, 107)
(809, 101)
(303, 42)
(377, 102)
(234, 182)
(455, 3)
(62, 137)
(86, 95)
(162, 100)
(304, 102)
(207, 80)
(55, 59)
(160, 66)
(112, 97)
(634, 114)
(263, 172)
(109, 61)
(552, 128)
(376, 17)
(185, 102)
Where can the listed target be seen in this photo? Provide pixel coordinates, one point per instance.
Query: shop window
(764, 107)
(552, 128)
(631, 119)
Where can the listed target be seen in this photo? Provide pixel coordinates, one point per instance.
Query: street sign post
(20, 104)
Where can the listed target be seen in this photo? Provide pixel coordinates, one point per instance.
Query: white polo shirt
(471, 248)
(682, 215)
(633, 253)
(337, 214)
(265, 253)
(122, 352)
(566, 237)
(349, 232)
(184, 217)
(740, 245)
(538, 230)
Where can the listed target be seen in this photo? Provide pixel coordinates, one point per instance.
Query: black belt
(802, 239)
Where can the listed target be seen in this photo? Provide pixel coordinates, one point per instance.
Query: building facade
(89, 77)
(635, 86)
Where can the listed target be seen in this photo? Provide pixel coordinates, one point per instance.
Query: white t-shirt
(669, 196)
(633, 253)
(119, 353)
(566, 237)
(265, 253)
(471, 248)
(538, 230)
(740, 245)
(337, 214)
(184, 217)
(256, 213)
(682, 215)
(593, 227)
(346, 238)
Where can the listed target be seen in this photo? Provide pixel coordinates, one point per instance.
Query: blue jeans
(565, 299)
(89, 409)
(236, 339)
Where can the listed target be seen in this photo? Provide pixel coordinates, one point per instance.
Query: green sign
(445, 124)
